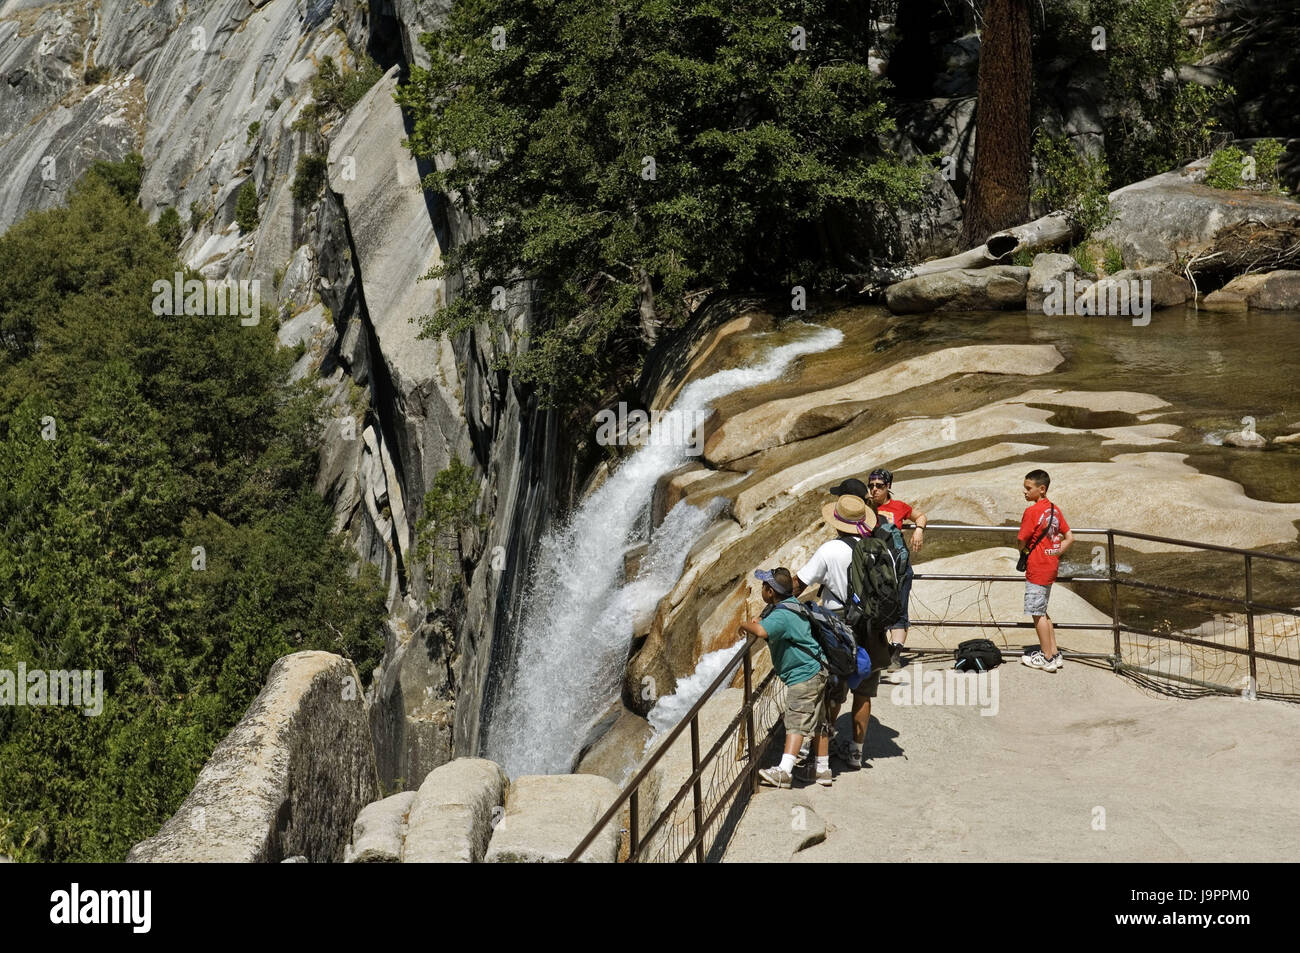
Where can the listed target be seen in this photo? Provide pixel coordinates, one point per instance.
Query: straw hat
(850, 514)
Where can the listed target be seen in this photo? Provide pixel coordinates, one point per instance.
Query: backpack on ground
(874, 595)
(977, 655)
(839, 647)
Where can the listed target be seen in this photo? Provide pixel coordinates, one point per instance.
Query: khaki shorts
(805, 706)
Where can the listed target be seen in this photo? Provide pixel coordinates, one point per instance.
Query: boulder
(1114, 293)
(452, 816)
(618, 750)
(1288, 438)
(1048, 269)
(961, 289)
(548, 815)
(1246, 439)
(1272, 291)
(379, 831)
(288, 780)
(1172, 217)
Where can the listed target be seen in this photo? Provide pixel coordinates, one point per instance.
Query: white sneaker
(1036, 659)
(1055, 663)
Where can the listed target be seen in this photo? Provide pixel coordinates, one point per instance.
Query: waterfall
(577, 622)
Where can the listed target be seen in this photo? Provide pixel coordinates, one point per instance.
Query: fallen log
(1045, 232)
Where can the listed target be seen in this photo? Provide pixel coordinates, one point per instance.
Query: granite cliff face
(208, 95)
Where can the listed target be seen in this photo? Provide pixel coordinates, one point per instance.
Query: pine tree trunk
(999, 189)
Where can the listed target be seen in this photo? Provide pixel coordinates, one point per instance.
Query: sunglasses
(876, 486)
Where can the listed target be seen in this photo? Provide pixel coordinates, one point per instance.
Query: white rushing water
(668, 711)
(577, 620)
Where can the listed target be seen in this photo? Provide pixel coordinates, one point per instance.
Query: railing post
(1114, 590)
(695, 766)
(750, 752)
(1250, 625)
(634, 825)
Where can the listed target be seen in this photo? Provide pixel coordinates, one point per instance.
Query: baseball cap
(778, 578)
(852, 487)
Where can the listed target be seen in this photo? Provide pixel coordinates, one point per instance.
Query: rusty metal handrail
(689, 720)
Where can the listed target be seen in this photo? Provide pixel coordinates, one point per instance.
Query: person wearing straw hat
(851, 518)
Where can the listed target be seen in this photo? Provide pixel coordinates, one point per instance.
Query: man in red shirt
(1046, 535)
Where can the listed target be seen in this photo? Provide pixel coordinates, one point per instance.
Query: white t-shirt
(830, 567)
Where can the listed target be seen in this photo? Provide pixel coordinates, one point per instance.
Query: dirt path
(1080, 765)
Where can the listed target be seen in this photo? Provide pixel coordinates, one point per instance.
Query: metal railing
(706, 809)
(690, 722)
(1116, 581)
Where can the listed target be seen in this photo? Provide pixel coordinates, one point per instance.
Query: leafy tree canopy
(621, 155)
(128, 439)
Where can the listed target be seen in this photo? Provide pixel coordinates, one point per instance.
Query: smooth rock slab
(547, 815)
(288, 780)
(451, 819)
(379, 831)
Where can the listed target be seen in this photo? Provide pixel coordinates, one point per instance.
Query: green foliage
(1072, 183)
(274, 104)
(168, 433)
(169, 227)
(1229, 167)
(1023, 258)
(246, 206)
(254, 128)
(1226, 166)
(309, 178)
(123, 177)
(1083, 257)
(760, 151)
(1154, 122)
(448, 511)
(334, 93)
(1112, 258)
(1268, 153)
(196, 215)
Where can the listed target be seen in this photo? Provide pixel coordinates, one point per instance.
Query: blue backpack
(840, 649)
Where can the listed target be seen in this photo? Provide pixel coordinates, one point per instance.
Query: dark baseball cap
(851, 487)
(778, 578)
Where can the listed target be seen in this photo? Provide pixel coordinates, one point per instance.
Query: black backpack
(839, 647)
(977, 655)
(874, 597)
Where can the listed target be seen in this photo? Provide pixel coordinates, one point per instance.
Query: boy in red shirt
(1046, 534)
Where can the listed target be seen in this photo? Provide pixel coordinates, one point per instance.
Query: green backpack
(874, 581)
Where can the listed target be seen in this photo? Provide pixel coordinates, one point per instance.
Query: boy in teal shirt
(797, 659)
